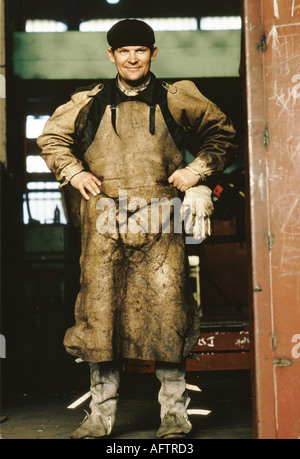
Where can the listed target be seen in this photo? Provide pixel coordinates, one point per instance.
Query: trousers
(105, 381)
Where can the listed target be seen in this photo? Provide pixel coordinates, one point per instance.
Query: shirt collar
(144, 94)
(132, 92)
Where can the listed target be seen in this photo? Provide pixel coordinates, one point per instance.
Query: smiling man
(133, 64)
(124, 137)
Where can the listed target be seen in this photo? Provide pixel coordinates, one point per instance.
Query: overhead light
(158, 24)
(113, 2)
(221, 23)
(97, 25)
(45, 25)
(172, 24)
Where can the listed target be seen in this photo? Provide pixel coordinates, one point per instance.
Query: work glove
(196, 210)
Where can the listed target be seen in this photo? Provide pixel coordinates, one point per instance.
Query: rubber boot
(105, 381)
(174, 400)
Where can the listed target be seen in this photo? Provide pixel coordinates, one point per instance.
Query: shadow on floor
(225, 394)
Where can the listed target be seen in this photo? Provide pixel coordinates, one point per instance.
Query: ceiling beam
(78, 10)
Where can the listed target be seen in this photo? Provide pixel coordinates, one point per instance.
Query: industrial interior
(52, 48)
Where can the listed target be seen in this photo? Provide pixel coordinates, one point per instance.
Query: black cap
(130, 32)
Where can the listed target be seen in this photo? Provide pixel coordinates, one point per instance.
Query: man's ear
(154, 52)
(111, 56)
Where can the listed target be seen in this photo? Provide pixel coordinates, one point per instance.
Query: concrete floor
(226, 394)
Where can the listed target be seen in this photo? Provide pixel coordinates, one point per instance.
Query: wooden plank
(219, 361)
(215, 350)
(223, 341)
(209, 361)
(139, 366)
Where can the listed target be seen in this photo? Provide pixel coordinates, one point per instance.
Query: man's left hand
(183, 179)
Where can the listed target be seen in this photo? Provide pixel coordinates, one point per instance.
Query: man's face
(132, 62)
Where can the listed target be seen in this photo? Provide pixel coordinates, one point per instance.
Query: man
(120, 139)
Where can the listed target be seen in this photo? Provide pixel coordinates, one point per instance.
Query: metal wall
(82, 55)
(272, 50)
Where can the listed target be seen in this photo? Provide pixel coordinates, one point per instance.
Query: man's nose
(132, 57)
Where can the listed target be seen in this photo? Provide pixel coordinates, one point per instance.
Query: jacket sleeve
(58, 140)
(215, 136)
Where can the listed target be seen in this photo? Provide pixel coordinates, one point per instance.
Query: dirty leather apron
(135, 301)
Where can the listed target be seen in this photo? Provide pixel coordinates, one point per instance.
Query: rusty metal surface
(209, 361)
(216, 350)
(272, 51)
(221, 350)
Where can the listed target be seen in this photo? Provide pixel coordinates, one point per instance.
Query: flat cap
(130, 32)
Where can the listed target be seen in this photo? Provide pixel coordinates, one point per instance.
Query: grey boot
(174, 401)
(105, 381)
(91, 427)
(174, 425)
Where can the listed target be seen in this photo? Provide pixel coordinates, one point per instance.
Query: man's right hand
(86, 183)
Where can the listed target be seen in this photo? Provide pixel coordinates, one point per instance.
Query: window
(170, 24)
(35, 126)
(221, 23)
(42, 202)
(44, 199)
(158, 24)
(35, 164)
(44, 25)
(97, 25)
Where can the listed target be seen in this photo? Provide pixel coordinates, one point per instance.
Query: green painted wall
(82, 55)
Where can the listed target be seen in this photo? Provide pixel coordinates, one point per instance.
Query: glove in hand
(196, 211)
